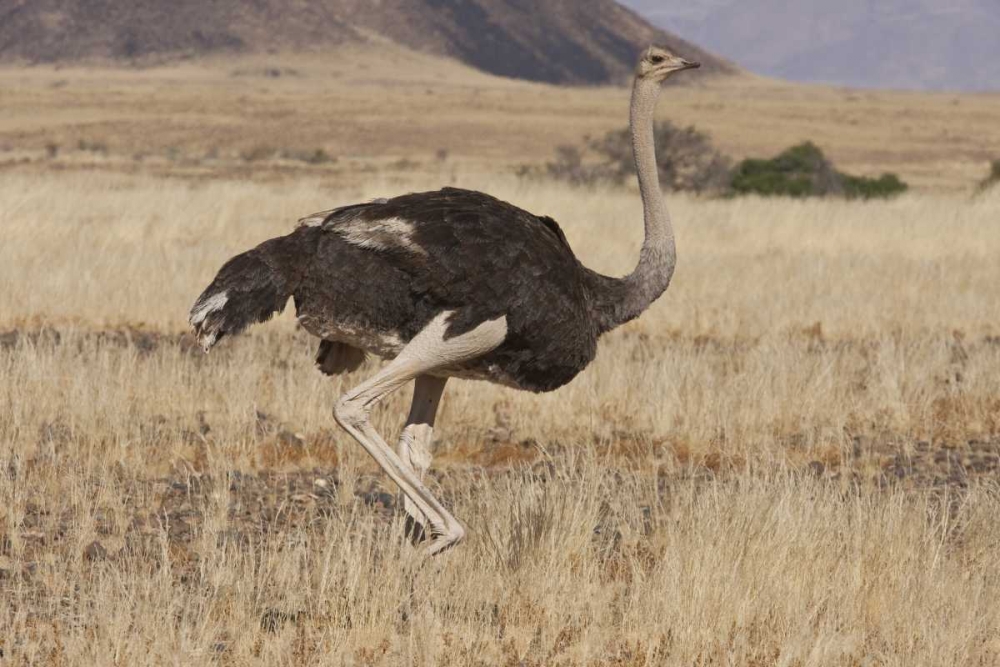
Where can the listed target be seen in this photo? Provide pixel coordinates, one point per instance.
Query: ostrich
(445, 284)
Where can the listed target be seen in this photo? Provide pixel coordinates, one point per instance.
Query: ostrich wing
(466, 250)
(318, 219)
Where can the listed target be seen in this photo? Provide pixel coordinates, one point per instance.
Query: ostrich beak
(689, 64)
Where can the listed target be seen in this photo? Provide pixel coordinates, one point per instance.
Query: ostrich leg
(416, 440)
(429, 350)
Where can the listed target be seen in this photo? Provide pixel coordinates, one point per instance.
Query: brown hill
(557, 41)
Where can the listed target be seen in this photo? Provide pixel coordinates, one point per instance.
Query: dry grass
(393, 109)
(112, 250)
(792, 459)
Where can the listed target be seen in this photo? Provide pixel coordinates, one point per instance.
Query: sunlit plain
(749, 473)
(792, 459)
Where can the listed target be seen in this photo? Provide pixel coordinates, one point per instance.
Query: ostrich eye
(657, 60)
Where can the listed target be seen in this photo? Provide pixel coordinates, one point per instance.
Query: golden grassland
(792, 459)
(392, 110)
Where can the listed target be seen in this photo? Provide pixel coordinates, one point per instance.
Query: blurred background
(348, 87)
(912, 44)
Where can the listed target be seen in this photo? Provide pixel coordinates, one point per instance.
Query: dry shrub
(686, 160)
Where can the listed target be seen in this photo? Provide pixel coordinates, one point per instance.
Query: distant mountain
(919, 44)
(558, 41)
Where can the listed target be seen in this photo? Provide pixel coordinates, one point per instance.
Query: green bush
(886, 186)
(800, 171)
(804, 171)
(687, 160)
(92, 146)
(992, 179)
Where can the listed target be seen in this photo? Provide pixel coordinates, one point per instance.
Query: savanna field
(792, 459)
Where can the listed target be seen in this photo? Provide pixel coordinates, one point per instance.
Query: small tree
(686, 160)
(569, 167)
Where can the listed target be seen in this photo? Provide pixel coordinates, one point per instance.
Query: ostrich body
(445, 284)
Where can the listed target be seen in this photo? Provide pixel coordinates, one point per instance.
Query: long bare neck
(619, 300)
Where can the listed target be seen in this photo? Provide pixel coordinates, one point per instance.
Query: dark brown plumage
(335, 358)
(462, 251)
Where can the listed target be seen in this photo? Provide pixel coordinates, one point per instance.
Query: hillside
(917, 44)
(559, 41)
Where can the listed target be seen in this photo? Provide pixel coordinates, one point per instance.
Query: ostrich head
(658, 63)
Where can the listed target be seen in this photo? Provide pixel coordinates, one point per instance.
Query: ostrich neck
(619, 300)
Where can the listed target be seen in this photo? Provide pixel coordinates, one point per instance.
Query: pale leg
(416, 442)
(429, 350)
